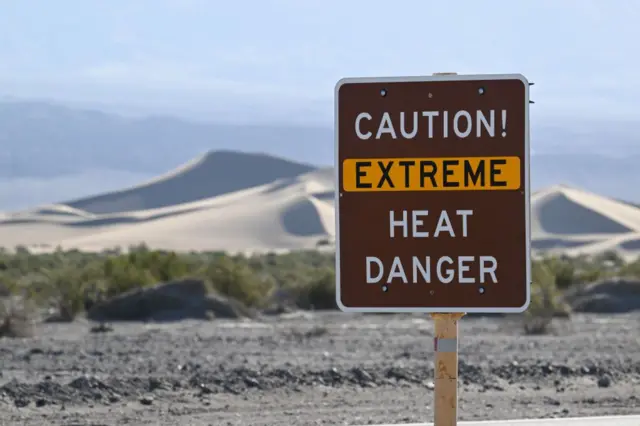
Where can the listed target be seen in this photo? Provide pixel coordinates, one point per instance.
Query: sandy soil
(328, 368)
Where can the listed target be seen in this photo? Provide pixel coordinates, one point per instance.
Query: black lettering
(474, 175)
(446, 172)
(362, 173)
(407, 171)
(385, 174)
(431, 174)
(493, 171)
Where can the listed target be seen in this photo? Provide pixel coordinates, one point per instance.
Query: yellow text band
(431, 174)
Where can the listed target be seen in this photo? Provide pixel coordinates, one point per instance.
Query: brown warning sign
(432, 197)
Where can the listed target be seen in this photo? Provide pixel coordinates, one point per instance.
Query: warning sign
(432, 203)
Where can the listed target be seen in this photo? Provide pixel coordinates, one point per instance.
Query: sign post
(445, 371)
(432, 203)
(445, 407)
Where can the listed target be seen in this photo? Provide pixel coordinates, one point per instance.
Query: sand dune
(252, 202)
(208, 176)
(246, 203)
(571, 221)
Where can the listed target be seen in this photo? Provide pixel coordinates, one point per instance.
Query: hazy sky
(253, 60)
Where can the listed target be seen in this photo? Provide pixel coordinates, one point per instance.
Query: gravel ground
(306, 369)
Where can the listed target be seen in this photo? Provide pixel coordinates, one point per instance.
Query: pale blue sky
(279, 59)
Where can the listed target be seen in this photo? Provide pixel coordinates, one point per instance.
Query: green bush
(544, 298)
(234, 278)
(631, 270)
(72, 280)
(319, 293)
(120, 275)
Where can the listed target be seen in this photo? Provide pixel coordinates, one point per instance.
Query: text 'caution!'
(431, 174)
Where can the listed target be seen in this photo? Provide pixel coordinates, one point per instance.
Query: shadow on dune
(214, 174)
(557, 243)
(126, 220)
(631, 245)
(303, 220)
(325, 196)
(101, 221)
(54, 212)
(280, 185)
(560, 215)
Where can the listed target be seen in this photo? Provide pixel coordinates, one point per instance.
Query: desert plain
(315, 368)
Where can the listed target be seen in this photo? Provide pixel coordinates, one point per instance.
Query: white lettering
(404, 223)
(444, 224)
(386, 127)
(366, 116)
(445, 124)
(464, 214)
(370, 278)
(403, 131)
(425, 271)
(456, 124)
(397, 271)
(430, 114)
(489, 125)
(449, 272)
(485, 269)
(462, 268)
(459, 269)
(438, 124)
(417, 222)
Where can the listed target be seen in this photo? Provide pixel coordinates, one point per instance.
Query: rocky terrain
(313, 368)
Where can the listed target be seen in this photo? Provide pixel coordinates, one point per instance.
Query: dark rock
(146, 400)
(605, 297)
(101, 328)
(205, 390)
(278, 309)
(172, 301)
(604, 381)
(252, 382)
(361, 375)
(21, 402)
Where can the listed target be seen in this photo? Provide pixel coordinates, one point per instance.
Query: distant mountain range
(52, 152)
(45, 140)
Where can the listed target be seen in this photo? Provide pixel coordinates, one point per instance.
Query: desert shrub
(236, 280)
(563, 271)
(162, 265)
(72, 280)
(120, 275)
(631, 270)
(8, 285)
(546, 299)
(610, 259)
(319, 293)
(66, 288)
(16, 318)
(569, 272)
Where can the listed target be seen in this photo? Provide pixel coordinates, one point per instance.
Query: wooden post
(445, 407)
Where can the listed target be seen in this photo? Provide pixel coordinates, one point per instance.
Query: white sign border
(338, 190)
